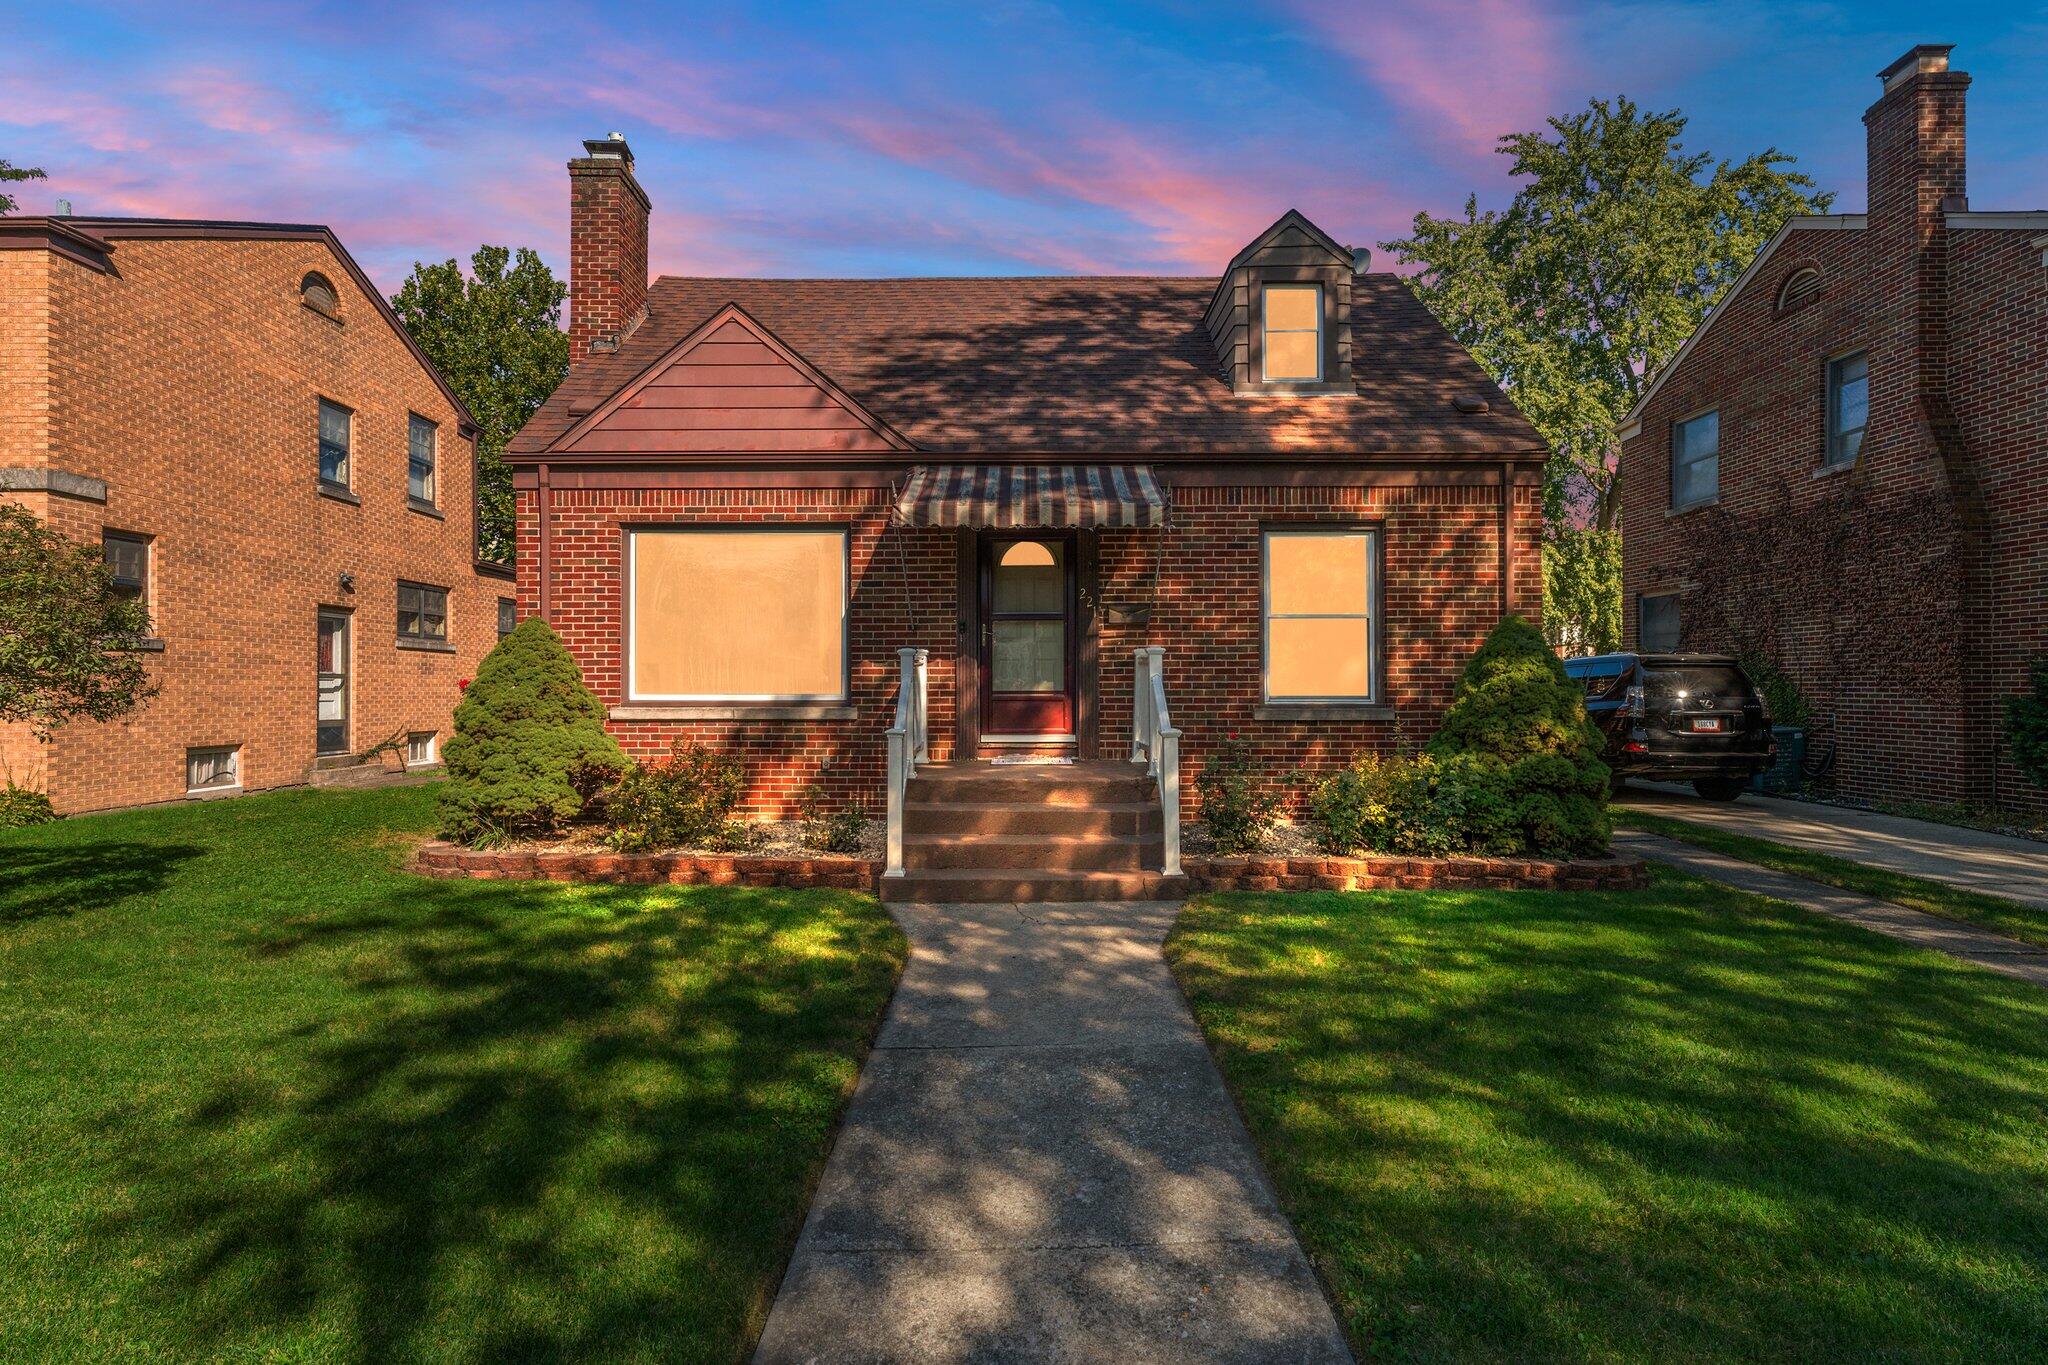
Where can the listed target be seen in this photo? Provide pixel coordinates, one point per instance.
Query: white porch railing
(1156, 743)
(907, 746)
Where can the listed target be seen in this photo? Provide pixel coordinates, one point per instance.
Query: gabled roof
(1296, 219)
(1809, 222)
(1083, 364)
(91, 242)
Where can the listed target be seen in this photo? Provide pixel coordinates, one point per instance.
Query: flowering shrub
(686, 800)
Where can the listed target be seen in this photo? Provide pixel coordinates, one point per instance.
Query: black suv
(1678, 718)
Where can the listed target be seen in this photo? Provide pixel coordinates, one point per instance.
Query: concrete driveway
(1995, 864)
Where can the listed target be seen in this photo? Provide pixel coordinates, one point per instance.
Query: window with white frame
(217, 768)
(1696, 460)
(1321, 594)
(1848, 406)
(419, 748)
(420, 435)
(1658, 625)
(1292, 335)
(728, 614)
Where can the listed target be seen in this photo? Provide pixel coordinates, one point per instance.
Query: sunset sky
(888, 138)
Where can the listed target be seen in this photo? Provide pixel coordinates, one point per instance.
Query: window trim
(234, 753)
(1678, 424)
(1374, 616)
(348, 451)
(1266, 288)
(1831, 401)
(445, 640)
(629, 557)
(432, 502)
(1643, 599)
(433, 739)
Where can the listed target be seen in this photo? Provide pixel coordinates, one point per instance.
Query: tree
(11, 173)
(496, 337)
(1612, 251)
(68, 640)
(1582, 590)
(2026, 725)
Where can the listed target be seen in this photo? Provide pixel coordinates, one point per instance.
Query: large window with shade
(1321, 603)
(1292, 344)
(727, 614)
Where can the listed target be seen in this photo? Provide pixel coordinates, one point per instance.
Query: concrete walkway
(1974, 860)
(1041, 1164)
(1995, 951)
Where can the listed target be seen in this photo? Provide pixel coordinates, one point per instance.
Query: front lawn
(1673, 1124)
(262, 1095)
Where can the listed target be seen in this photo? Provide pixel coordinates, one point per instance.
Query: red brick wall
(1441, 577)
(188, 382)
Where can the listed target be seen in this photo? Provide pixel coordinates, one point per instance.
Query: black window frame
(139, 588)
(508, 616)
(1836, 364)
(1678, 429)
(1676, 599)
(432, 501)
(418, 634)
(346, 484)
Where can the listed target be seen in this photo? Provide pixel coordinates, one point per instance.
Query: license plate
(1710, 725)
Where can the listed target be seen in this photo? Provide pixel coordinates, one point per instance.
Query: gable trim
(732, 313)
(1631, 422)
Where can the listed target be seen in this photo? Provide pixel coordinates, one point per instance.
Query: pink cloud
(1464, 71)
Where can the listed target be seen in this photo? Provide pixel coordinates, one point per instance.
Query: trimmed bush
(685, 801)
(1235, 804)
(1530, 764)
(833, 829)
(21, 807)
(529, 748)
(2026, 725)
(1420, 807)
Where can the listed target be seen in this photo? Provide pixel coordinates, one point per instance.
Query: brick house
(1845, 468)
(764, 512)
(234, 413)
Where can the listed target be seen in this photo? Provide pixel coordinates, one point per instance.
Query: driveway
(1041, 1163)
(1974, 860)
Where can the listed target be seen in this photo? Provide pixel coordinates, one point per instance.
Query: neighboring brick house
(234, 413)
(1845, 468)
(750, 494)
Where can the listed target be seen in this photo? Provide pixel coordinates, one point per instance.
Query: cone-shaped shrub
(1517, 716)
(529, 747)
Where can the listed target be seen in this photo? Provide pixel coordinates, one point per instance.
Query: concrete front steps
(975, 832)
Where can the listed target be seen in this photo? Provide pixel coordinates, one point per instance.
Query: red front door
(1027, 634)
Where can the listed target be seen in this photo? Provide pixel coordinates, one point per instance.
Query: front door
(332, 736)
(1027, 635)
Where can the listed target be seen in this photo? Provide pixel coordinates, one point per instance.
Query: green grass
(2028, 923)
(1672, 1124)
(264, 1096)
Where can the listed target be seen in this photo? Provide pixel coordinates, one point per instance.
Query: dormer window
(1293, 343)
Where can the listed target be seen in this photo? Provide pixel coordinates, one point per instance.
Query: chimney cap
(610, 147)
(1927, 57)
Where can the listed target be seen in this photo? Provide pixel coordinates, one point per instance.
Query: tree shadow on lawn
(1572, 1127)
(550, 1122)
(46, 883)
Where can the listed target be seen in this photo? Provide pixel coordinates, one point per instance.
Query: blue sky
(1019, 136)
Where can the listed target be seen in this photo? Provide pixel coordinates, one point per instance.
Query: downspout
(542, 511)
(1507, 539)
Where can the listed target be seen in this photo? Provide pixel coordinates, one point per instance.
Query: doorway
(332, 733)
(1027, 636)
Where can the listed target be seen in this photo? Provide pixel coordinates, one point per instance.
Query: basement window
(214, 769)
(420, 749)
(1293, 333)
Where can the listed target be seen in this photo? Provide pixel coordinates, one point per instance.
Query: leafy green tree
(2026, 725)
(1582, 590)
(12, 174)
(530, 747)
(67, 639)
(1616, 244)
(496, 336)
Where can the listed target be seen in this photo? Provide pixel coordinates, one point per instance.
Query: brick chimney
(607, 248)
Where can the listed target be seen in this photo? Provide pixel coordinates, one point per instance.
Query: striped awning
(1032, 496)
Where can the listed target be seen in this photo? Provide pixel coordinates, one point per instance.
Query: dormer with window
(1281, 314)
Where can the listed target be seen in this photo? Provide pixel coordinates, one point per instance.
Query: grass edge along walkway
(2027, 923)
(1679, 1123)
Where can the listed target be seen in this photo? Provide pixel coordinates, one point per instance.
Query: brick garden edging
(438, 858)
(1388, 872)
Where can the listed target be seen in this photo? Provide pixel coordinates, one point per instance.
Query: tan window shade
(1319, 612)
(754, 615)
(1293, 332)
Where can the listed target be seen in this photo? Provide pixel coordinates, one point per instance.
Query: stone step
(974, 885)
(958, 818)
(1033, 853)
(1044, 787)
